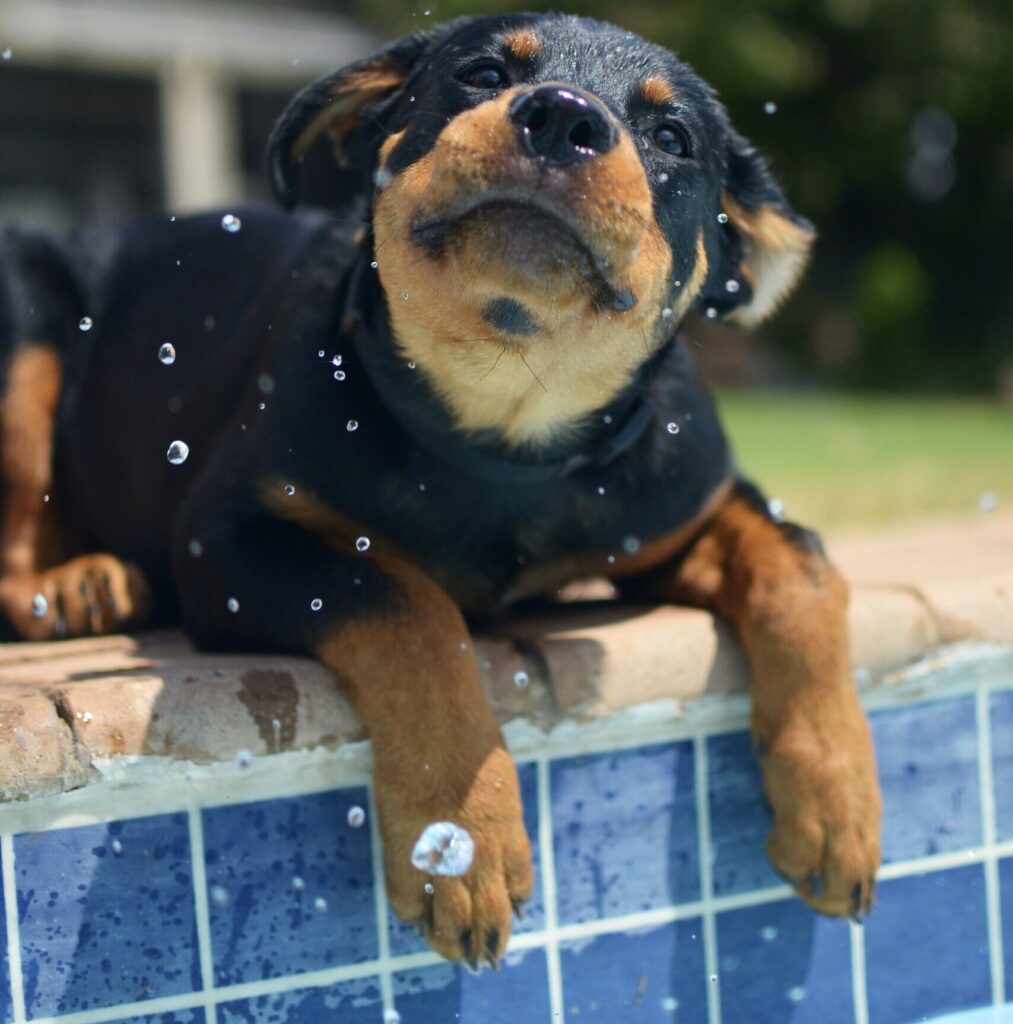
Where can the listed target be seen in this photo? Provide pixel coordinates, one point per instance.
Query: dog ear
(349, 104)
(764, 244)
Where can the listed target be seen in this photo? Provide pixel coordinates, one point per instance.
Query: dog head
(551, 196)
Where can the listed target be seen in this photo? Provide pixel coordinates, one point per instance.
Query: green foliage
(917, 275)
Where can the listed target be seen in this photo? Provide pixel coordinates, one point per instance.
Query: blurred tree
(890, 123)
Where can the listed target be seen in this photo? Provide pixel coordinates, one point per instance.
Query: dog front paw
(461, 884)
(819, 773)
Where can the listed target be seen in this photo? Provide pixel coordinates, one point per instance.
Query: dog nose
(561, 125)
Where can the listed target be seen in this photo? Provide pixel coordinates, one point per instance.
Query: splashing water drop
(219, 895)
(670, 1004)
(320, 905)
(631, 545)
(289, 490)
(411, 364)
(731, 285)
(167, 354)
(117, 848)
(374, 264)
(85, 324)
(722, 218)
(231, 223)
(262, 406)
(233, 605)
(339, 374)
(988, 502)
(265, 384)
(444, 849)
(177, 452)
(601, 490)
(320, 353)
(666, 313)
(404, 296)
(39, 605)
(769, 933)
(673, 428)
(244, 758)
(351, 426)
(298, 884)
(6, 53)
(196, 548)
(663, 177)
(356, 816)
(429, 888)
(336, 360)
(521, 680)
(776, 509)
(316, 604)
(382, 177)
(711, 313)
(392, 1017)
(796, 993)
(362, 544)
(770, 107)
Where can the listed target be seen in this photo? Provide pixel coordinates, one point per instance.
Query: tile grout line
(202, 910)
(385, 971)
(859, 992)
(986, 783)
(703, 827)
(10, 890)
(548, 859)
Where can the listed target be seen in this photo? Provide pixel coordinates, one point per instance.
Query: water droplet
(219, 895)
(714, 979)
(339, 374)
(262, 406)
(722, 218)
(233, 605)
(663, 177)
(796, 994)
(677, 284)
(601, 490)
(320, 353)
(196, 548)
(988, 502)
(316, 604)
(606, 419)
(231, 223)
(429, 888)
(673, 428)
(731, 285)
(611, 559)
(6, 53)
(411, 364)
(320, 905)
(45, 498)
(336, 360)
(382, 177)
(631, 545)
(265, 384)
(770, 107)
(177, 452)
(244, 758)
(666, 312)
(117, 848)
(374, 264)
(776, 509)
(669, 1004)
(298, 884)
(356, 816)
(444, 849)
(85, 323)
(351, 426)
(392, 1017)
(769, 933)
(39, 605)
(362, 544)
(521, 680)
(404, 296)
(167, 354)
(711, 313)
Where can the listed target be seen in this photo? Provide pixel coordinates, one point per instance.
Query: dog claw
(518, 907)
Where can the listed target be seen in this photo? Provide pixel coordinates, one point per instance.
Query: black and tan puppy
(473, 392)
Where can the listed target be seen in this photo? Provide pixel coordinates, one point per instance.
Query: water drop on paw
(231, 223)
(178, 452)
(39, 605)
(444, 849)
(85, 323)
(356, 816)
(167, 354)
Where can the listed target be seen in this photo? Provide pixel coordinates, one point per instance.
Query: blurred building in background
(113, 108)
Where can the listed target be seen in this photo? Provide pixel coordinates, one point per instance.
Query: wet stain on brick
(272, 699)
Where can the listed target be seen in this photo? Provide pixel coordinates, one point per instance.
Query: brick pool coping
(68, 709)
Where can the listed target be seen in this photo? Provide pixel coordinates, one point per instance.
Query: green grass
(847, 461)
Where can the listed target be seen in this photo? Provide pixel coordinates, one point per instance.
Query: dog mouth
(530, 233)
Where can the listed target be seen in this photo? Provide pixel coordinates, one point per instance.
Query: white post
(199, 137)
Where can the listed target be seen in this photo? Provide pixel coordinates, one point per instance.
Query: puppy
(467, 390)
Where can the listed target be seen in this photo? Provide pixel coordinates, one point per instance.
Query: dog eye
(486, 75)
(671, 138)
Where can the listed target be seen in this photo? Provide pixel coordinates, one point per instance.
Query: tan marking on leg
(438, 756)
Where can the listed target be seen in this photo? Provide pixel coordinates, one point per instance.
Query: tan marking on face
(538, 387)
(27, 413)
(658, 91)
(778, 254)
(523, 44)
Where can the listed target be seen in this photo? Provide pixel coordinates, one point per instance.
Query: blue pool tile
(520, 992)
(1001, 715)
(782, 964)
(6, 1013)
(740, 819)
(350, 1002)
(649, 976)
(107, 914)
(403, 939)
(928, 769)
(290, 885)
(195, 1016)
(1006, 907)
(625, 832)
(926, 946)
